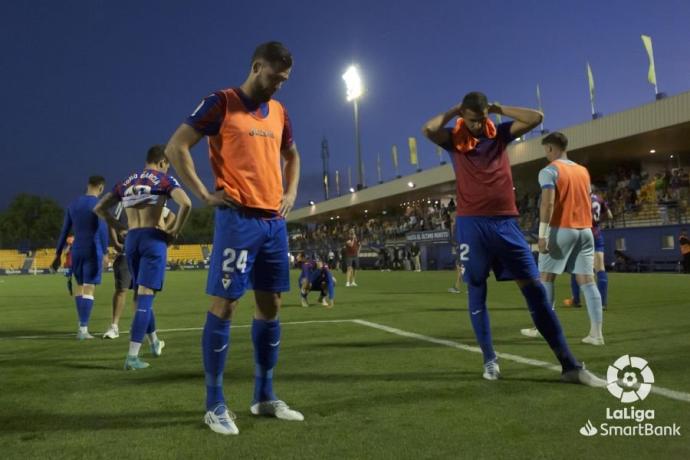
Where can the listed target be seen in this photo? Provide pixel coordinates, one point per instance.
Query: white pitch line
(671, 394)
(71, 336)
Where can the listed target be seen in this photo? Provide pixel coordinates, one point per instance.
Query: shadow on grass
(42, 422)
(35, 334)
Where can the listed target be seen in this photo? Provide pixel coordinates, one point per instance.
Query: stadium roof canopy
(662, 126)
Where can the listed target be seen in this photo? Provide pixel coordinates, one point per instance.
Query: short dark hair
(156, 154)
(557, 139)
(273, 53)
(95, 181)
(475, 101)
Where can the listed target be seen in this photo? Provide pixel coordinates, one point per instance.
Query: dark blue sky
(87, 86)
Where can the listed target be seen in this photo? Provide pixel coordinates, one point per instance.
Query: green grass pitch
(365, 392)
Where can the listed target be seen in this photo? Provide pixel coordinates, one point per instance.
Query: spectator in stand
(352, 247)
(674, 185)
(414, 252)
(684, 241)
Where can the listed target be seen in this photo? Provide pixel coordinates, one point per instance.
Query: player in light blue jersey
(90, 244)
(143, 195)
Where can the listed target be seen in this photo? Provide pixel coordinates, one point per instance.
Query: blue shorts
(250, 251)
(598, 241)
(87, 266)
(147, 253)
(315, 282)
(493, 243)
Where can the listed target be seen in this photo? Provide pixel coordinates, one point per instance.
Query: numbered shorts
(570, 250)
(598, 241)
(249, 251)
(493, 243)
(147, 253)
(87, 266)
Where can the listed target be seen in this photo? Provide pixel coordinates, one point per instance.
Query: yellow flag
(591, 83)
(651, 74)
(412, 142)
(394, 152)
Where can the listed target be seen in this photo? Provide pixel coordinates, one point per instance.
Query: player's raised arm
(291, 172)
(525, 119)
(182, 199)
(435, 129)
(178, 152)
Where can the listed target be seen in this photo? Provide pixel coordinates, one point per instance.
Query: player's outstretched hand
(543, 246)
(56, 263)
(287, 204)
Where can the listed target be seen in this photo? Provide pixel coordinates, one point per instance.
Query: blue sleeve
(503, 132)
(209, 114)
(548, 177)
(66, 227)
(170, 184)
(103, 239)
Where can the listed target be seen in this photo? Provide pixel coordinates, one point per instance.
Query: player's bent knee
(584, 279)
(88, 289)
(548, 277)
(267, 304)
(143, 290)
(223, 308)
(527, 282)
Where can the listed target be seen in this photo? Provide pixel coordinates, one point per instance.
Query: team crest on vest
(261, 132)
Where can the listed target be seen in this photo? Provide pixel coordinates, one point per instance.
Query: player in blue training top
(90, 244)
(316, 276)
(143, 196)
(486, 229)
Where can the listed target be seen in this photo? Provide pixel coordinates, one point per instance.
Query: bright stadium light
(652, 151)
(311, 203)
(410, 184)
(355, 89)
(353, 82)
(352, 190)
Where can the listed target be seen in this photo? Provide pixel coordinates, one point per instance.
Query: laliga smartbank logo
(629, 380)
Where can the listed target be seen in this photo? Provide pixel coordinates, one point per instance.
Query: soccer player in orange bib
(248, 133)
(566, 242)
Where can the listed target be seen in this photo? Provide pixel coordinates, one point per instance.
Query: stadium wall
(649, 248)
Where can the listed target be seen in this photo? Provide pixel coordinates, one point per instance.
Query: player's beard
(264, 94)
